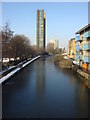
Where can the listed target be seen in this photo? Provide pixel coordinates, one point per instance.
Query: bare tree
(20, 47)
(50, 48)
(7, 35)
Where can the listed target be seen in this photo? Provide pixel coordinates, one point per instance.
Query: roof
(82, 29)
(72, 38)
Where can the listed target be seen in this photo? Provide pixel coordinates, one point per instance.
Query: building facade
(40, 31)
(55, 43)
(71, 48)
(82, 47)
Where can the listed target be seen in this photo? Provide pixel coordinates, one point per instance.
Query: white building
(55, 43)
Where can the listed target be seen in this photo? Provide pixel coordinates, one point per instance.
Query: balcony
(76, 57)
(87, 59)
(87, 46)
(80, 57)
(77, 38)
(87, 34)
(77, 48)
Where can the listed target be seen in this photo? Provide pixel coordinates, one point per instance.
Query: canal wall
(85, 75)
(11, 68)
(20, 67)
(67, 64)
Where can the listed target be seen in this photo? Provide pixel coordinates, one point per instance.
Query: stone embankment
(85, 75)
(67, 64)
(17, 69)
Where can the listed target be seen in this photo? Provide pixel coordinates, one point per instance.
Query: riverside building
(40, 31)
(71, 49)
(82, 47)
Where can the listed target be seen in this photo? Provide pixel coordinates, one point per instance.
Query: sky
(63, 19)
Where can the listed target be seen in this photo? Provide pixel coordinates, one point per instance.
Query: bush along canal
(67, 64)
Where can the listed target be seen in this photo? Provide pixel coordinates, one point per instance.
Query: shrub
(58, 58)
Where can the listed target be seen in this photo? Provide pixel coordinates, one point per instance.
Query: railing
(76, 57)
(87, 34)
(77, 38)
(18, 68)
(87, 46)
(78, 48)
(87, 59)
(80, 57)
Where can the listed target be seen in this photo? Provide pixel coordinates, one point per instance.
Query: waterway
(43, 90)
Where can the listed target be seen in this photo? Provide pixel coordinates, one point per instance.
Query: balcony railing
(87, 59)
(80, 57)
(77, 38)
(76, 57)
(87, 34)
(87, 46)
(78, 48)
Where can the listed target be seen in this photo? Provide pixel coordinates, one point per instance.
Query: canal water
(43, 90)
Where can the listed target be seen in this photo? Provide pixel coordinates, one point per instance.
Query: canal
(43, 90)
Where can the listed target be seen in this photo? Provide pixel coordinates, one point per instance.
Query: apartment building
(71, 49)
(82, 47)
(55, 43)
(41, 26)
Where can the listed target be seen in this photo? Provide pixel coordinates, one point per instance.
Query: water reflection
(43, 90)
(40, 76)
(80, 99)
(80, 91)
